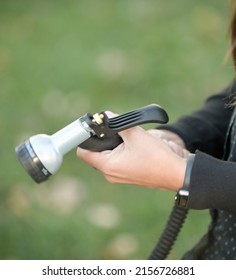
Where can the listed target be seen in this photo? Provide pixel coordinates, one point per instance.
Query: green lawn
(62, 59)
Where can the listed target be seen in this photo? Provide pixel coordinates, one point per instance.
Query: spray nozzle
(42, 155)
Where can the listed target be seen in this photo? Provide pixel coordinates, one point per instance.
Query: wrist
(174, 178)
(179, 174)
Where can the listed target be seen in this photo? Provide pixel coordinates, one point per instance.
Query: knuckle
(110, 179)
(107, 168)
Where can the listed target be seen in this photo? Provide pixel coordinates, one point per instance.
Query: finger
(94, 159)
(157, 133)
(111, 114)
(113, 179)
(131, 134)
(178, 149)
(119, 180)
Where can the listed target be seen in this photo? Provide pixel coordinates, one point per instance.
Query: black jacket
(210, 133)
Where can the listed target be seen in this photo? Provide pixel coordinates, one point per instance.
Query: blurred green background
(62, 59)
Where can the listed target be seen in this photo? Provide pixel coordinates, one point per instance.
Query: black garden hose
(170, 233)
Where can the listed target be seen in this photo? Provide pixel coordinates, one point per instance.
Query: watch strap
(183, 193)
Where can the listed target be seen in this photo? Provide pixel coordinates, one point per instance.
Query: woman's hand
(142, 159)
(174, 141)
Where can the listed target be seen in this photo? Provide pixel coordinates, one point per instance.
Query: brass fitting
(98, 118)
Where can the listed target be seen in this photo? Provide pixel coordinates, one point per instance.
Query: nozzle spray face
(31, 162)
(40, 157)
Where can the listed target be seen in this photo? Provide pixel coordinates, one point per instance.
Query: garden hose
(169, 234)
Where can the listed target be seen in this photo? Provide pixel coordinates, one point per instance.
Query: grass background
(62, 59)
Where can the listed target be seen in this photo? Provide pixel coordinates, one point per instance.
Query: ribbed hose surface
(170, 233)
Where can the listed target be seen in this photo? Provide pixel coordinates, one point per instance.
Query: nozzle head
(31, 162)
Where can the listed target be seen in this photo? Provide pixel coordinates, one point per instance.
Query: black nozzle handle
(149, 114)
(96, 144)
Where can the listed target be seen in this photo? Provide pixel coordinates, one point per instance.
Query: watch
(183, 193)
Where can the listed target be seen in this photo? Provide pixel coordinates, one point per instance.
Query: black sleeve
(206, 128)
(212, 184)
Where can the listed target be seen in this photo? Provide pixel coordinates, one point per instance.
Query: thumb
(131, 133)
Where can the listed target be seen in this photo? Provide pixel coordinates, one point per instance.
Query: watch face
(182, 197)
